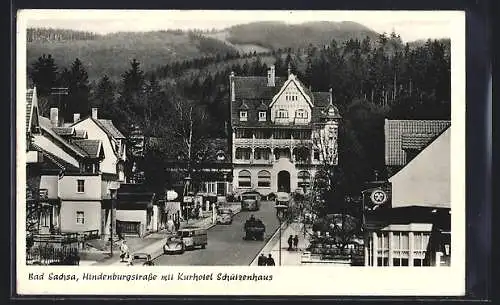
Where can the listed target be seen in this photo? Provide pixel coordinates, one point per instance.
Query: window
(243, 115)
(304, 180)
(264, 179)
(244, 179)
(45, 215)
(301, 114)
(80, 217)
(262, 154)
(401, 248)
(80, 186)
(243, 153)
(262, 116)
(383, 249)
(421, 240)
(282, 114)
(316, 154)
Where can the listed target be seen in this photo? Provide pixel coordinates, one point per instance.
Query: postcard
(240, 152)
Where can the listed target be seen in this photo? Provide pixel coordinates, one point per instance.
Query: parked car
(143, 259)
(174, 245)
(193, 237)
(225, 216)
(250, 201)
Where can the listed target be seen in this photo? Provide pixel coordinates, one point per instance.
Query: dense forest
(371, 80)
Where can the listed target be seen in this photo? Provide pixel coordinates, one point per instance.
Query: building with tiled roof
(281, 132)
(415, 228)
(67, 174)
(405, 138)
(113, 142)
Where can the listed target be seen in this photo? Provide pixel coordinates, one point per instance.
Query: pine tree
(132, 92)
(79, 91)
(103, 97)
(43, 74)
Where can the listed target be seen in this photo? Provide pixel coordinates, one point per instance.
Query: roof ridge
(50, 156)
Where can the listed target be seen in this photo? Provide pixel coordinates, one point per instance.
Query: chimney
(54, 117)
(231, 82)
(331, 96)
(94, 113)
(271, 76)
(76, 117)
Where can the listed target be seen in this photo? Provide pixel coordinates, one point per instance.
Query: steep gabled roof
(109, 128)
(302, 89)
(47, 127)
(91, 147)
(409, 134)
(425, 180)
(31, 108)
(64, 131)
(254, 95)
(52, 162)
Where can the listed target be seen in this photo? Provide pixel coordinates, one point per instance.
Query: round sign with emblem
(378, 197)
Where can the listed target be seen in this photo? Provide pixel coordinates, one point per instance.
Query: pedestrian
(177, 224)
(270, 260)
(124, 251)
(296, 242)
(290, 242)
(262, 260)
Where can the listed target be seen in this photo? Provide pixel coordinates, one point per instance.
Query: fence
(50, 255)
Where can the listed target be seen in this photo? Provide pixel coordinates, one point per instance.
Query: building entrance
(284, 181)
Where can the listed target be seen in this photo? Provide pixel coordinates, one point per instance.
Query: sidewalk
(153, 243)
(288, 258)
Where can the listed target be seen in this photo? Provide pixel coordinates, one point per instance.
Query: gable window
(301, 114)
(80, 186)
(243, 116)
(282, 114)
(80, 217)
(262, 116)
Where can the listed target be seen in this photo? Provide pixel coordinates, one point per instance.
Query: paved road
(225, 242)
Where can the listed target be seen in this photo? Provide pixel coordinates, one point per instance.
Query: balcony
(270, 142)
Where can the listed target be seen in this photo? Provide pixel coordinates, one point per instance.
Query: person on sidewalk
(262, 260)
(296, 242)
(270, 260)
(124, 251)
(290, 243)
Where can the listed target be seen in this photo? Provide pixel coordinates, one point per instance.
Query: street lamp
(113, 193)
(281, 210)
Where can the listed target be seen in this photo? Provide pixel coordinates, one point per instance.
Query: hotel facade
(281, 132)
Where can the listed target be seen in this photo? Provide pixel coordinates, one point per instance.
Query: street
(225, 242)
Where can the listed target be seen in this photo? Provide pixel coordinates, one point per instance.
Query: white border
(314, 280)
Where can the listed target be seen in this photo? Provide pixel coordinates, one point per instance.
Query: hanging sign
(378, 197)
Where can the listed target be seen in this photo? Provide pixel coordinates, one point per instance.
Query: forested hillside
(110, 54)
(371, 79)
(276, 35)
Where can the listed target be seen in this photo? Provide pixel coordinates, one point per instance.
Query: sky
(411, 26)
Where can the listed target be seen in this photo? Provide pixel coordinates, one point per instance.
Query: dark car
(224, 216)
(174, 245)
(143, 259)
(254, 229)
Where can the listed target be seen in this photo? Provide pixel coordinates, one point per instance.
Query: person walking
(124, 251)
(270, 260)
(262, 260)
(296, 242)
(290, 242)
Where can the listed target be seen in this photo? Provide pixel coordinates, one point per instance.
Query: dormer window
(262, 116)
(221, 156)
(301, 114)
(243, 116)
(282, 114)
